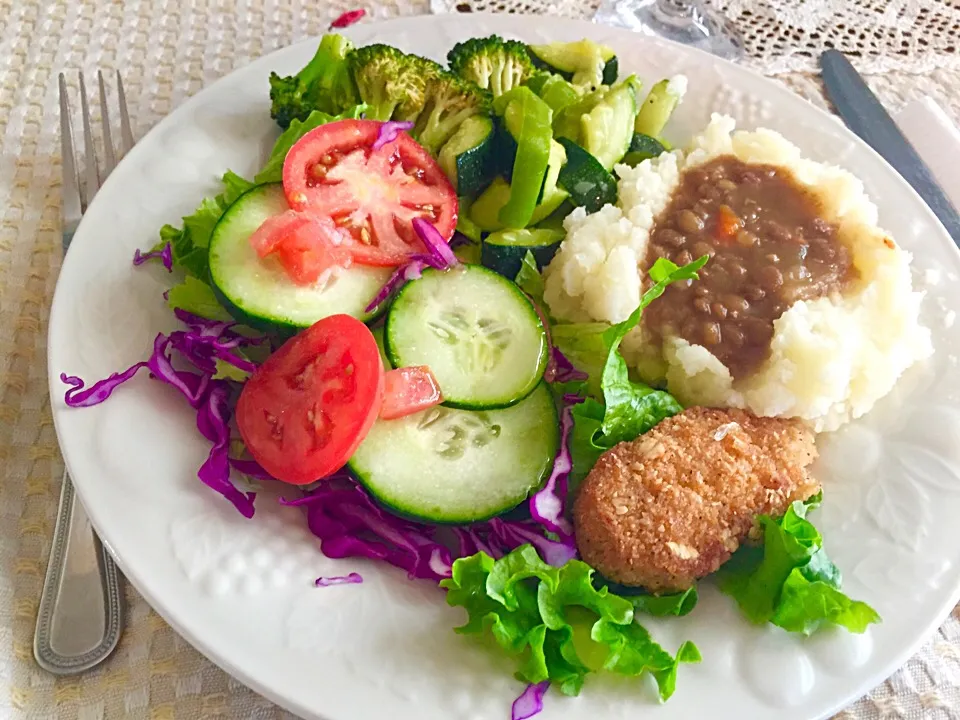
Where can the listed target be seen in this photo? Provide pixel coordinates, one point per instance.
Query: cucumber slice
(468, 252)
(611, 71)
(607, 129)
(466, 226)
(504, 151)
(657, 108)
(480, 335)
(459, 466)
(583, 61)
(377, 333)
(587, 181)
(558, 93)
(485, 212)
(464, 158)
(643, 147)
(566, 122)
(259, 293)
(554, 221)
(503, 251)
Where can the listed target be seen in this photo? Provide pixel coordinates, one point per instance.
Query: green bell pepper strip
(528, 119)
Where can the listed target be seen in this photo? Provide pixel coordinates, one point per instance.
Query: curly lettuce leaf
(189, 243)
(790, 581)
(228, 371)
(555, 623)
(586, 438)
(629, 408)
(591, 347)
(233, 187)
(273, 169)
(197, 297)
(675, 604)
(530, 280)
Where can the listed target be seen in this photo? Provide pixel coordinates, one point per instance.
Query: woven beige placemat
(168, 50)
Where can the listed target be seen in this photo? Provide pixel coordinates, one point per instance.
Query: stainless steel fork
(81, 609)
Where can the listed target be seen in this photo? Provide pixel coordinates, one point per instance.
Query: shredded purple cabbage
(80, 396)
(530, 701)
(201, 345)
(438, 256)
(514, 534)
(213, 417)
(350, 579)
(459, 239)
(548, 505)
(389, 132)
(560, 369)
(410, 271)
(350, 524)
(437, 247)
(251, 468)
(165, 254)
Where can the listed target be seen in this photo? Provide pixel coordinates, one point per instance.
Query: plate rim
(386, 28)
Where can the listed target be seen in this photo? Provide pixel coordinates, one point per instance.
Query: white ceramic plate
(242, 591)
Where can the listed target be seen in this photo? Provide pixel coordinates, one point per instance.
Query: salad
(365, 320)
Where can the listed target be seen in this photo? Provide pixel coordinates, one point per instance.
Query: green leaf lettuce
(189, 243)
(629, 408)
(555, 623)
(273, 170)
(790, 581)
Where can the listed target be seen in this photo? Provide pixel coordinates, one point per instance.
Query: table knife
(864, 115)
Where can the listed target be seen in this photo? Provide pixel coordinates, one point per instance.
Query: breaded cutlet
(670, 507)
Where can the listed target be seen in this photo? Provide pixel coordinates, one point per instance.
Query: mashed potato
(830, 359)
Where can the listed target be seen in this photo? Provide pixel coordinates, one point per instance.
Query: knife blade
(864, 115)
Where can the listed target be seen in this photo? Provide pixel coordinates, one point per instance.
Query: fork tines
(78, 194)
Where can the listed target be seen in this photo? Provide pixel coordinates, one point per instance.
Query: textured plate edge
(387, 27)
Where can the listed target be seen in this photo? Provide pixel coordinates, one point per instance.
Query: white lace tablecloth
(168, 50)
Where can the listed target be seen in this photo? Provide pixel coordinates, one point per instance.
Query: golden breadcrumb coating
(674, 504)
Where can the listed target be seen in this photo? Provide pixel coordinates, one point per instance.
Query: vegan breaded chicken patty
(673, 505)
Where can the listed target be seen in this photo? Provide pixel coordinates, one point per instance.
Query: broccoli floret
(390, 82)
(324, 84)
(492, 63)
(450, 100)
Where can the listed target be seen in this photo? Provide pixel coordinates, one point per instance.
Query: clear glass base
(682, 21)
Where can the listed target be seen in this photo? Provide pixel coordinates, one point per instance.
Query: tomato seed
(319, 172)
(319, 422)
(327, 159)
(365, 236)
(275, 432)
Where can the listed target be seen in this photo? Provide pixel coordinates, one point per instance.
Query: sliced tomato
(310, 405)
(409, 390)
(372, 195)
(306, 245)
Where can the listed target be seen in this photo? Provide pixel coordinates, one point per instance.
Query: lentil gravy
(768, 248)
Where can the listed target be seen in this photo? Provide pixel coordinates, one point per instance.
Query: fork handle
(81, 608)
